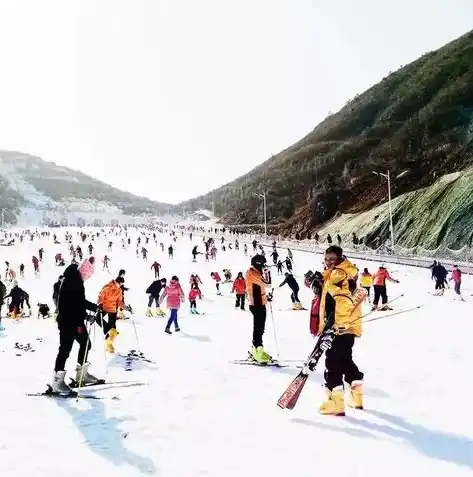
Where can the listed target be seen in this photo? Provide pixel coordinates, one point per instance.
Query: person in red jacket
(193, 295)
(216, 277)
(379, 286)
(457, 280)
(239, 288)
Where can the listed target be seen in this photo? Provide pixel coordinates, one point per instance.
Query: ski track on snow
(199, 415)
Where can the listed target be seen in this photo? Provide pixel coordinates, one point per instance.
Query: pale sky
(172, 98)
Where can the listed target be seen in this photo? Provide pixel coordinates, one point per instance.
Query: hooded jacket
(337, 299)
(174, 295)
(111, 297)
(155, 288)
(255, 287)
(239, 286)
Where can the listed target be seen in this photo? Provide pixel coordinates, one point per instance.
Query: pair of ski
(132, 356)
(99, 386)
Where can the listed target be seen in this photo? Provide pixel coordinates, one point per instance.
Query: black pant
(368, 290)
(440, 283)
(152, 299)
(66, 340)
(295, 296)
(380, 292)
(109, 324)
(259, 322)
(193, 304)
(339, 362)
(240, 301)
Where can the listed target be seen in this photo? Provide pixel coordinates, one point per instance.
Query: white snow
(199, 415)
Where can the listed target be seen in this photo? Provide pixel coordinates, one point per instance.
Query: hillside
(33, 191)
(418, 121)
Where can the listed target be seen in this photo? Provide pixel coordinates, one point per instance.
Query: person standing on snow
(379, 286)
(154, 290)
(3, 292)
(239, 288)
(457, 280)
(315, 282)
(366, 282)
(72, 309)
(294, 286)
(257, 297)
(275, 256)
(156, 267)
(174, 297)
(193, 295)
(439, 273)
(336, 305)
(215, 276)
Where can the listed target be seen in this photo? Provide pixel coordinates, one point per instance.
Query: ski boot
(109, 338)
(160, 312)
(356, 395)
(297, 306)
(58, 386)
(374, 308)
(84, 377)
(260, 355)
(149, 312)
(335, 403)
(385, 308)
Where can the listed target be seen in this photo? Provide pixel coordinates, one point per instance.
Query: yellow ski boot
(260, 355)
(356, 395)
(297, 306)
(110, 337)
(149, 312)
(335, 403)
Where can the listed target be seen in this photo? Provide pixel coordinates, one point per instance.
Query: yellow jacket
(366, 280)
(337, 298)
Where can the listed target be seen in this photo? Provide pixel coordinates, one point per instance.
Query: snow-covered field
(199, 415)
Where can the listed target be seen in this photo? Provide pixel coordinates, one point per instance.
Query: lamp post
(388, 177)
(263, 196)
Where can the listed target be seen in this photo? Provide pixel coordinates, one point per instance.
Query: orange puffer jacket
(111, 297)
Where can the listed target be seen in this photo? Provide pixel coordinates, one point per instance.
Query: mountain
(417, 123)
(33, 191)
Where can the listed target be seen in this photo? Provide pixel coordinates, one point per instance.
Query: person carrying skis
(366, 282)
(294, 286)
(257, 297)
(194, 293)
(457, 280)
(337, 306)
(109, 303)
(174, 297)
(154, 290)
(379, 286)
(239, 288)
(72, 309)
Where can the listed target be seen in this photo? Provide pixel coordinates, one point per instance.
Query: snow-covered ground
(199, 415)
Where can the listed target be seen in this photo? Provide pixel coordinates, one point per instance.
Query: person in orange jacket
(239, 287)
(379, 286)
(110, 302)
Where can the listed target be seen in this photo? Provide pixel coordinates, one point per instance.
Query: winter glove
(80, 330)
(270, 297)
(91, 317)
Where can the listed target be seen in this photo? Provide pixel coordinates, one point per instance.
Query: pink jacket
(194, 293)
(457, 275)
(86, 269)
(174, 294)
(216, 277)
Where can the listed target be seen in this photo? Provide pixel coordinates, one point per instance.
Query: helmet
(258, 262)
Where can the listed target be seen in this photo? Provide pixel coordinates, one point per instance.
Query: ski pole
(136, 333)
(100, 322)
(81, 377)
(393, 314)
(372, 311)
(274, 327)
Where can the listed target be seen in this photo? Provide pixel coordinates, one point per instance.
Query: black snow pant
(259, 322)
(152, 299)
(440, 283)
(295, 295)
(66, 340)
(193, 305)
(339, 362)
(380, 292)
(109, 324)
(240, 301)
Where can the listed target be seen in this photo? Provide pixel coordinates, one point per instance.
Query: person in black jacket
(439, 273)
(17, 296)
(56, 288)
(72, 309)
(294, 286)
(154, 290)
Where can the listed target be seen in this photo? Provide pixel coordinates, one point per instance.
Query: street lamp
(263, 196)
(388, 177)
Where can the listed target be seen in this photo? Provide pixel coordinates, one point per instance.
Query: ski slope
(199, 415)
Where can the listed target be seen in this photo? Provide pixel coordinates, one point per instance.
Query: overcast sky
(171, 98)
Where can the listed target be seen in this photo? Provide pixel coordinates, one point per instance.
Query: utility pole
(263, 196)
(388, 177)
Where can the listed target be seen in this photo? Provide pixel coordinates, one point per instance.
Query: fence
(414, 257)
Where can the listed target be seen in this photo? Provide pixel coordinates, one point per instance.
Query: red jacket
(380, 277)
(216, 277)
(194, 293)
(239, 286)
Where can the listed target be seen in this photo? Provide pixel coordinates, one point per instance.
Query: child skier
(193, 295)
(239, 288)
(175, 296)
(294, 286)
(217, 279)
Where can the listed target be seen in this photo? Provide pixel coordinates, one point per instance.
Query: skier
(194, 254)
(35, 262)
(255, 289)
(228, 275)
(439, 273)
(216, 277)
(109, 302)
(294, 286)
(175, 296)
(288, 263)
(170, 252)
(239, 288)
(275, 256)
(279, 267)
(195, 280)
(22, 270)
(457, 280)
(106, 261)
(194, 293)
(337, 305)
(156, 267)
(72, 307)
(17, 296)
(245, 250)
(144, 253)
(154, 290)
(366, 282)
(379, 286)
